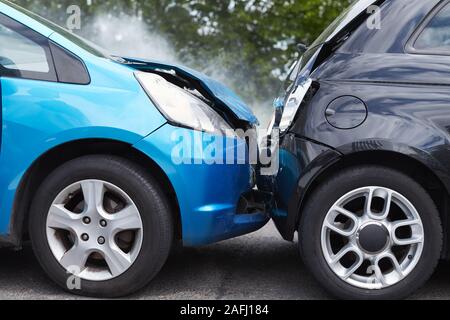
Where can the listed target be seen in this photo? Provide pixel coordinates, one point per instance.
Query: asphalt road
(256, 266)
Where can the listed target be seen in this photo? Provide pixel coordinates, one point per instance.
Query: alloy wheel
(94, 230)
(372, 237)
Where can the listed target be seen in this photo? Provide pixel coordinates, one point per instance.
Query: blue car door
(26, 67)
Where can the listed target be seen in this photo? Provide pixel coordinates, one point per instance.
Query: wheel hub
(93, 235)
(373, 237)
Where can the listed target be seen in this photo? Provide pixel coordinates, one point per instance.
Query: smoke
(130, 36)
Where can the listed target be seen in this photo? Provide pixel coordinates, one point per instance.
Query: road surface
(256, 266)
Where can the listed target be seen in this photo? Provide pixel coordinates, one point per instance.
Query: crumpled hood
(223, 96)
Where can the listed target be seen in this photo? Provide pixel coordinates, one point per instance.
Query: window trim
(409, 48)
(37, 38)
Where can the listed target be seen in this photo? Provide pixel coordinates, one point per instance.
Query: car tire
(319, 241)
(138, 231)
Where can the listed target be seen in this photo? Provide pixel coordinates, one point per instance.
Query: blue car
(97, 164)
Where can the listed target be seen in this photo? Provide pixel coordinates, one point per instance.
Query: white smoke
(130, 36)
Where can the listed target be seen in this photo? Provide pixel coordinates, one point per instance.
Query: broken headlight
(181, 107)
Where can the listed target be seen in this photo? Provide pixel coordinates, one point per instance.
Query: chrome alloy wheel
(372, 237)
(94, 230)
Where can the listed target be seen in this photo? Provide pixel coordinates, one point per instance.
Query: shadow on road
(256, 266)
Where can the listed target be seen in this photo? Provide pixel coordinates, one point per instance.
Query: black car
(364, 149)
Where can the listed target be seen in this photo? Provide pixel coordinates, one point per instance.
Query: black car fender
(361, 152)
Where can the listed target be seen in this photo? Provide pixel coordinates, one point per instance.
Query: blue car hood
(223, 96)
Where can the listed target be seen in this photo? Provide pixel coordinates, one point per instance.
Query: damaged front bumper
(216, 201)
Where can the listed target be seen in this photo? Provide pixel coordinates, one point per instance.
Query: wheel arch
(418, 168)
(59, 155)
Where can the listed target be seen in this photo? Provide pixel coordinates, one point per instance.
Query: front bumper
(301, 161)
(208, 192)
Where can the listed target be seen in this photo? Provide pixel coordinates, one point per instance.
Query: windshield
(353, 11)
(294, 72)
(333, 29)
(292, 76)
(79, 41)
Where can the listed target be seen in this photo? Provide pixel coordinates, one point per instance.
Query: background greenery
(252, 43)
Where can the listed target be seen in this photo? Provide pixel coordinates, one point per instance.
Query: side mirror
(6, 72)
(302, 48)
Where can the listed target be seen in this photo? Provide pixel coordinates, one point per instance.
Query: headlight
(291, 106)
(180, 107)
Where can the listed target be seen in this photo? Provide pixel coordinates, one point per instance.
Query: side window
(24, 53)
(435, 37)
(69, 68)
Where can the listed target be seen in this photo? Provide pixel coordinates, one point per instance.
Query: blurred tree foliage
(253, 40)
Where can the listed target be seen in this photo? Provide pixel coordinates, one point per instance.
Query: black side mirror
(302, 48)
(6, 72)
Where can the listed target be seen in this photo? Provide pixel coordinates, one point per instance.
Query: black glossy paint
(301, 162)
(407, 96)
(346, 112)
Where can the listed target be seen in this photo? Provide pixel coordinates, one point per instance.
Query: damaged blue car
(102, 164)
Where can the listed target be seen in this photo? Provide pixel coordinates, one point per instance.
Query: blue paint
(207, 194)
(38, 116)
(222, 93)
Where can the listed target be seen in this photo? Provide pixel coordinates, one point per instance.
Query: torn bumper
(300, 162)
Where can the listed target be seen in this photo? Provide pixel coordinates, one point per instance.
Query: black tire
(148, 197)
(332, 190)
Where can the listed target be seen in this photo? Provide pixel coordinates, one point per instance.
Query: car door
(25, 57)
(26, 67)
(429, 48)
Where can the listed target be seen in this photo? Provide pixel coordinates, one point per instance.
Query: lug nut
(84, 237)
(101, 240)
(103, 223)
(87, 220)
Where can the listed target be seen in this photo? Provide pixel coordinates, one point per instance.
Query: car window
(436, 35)
(79, 41)
(20, 53)
(24, 53)
(69, 68)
